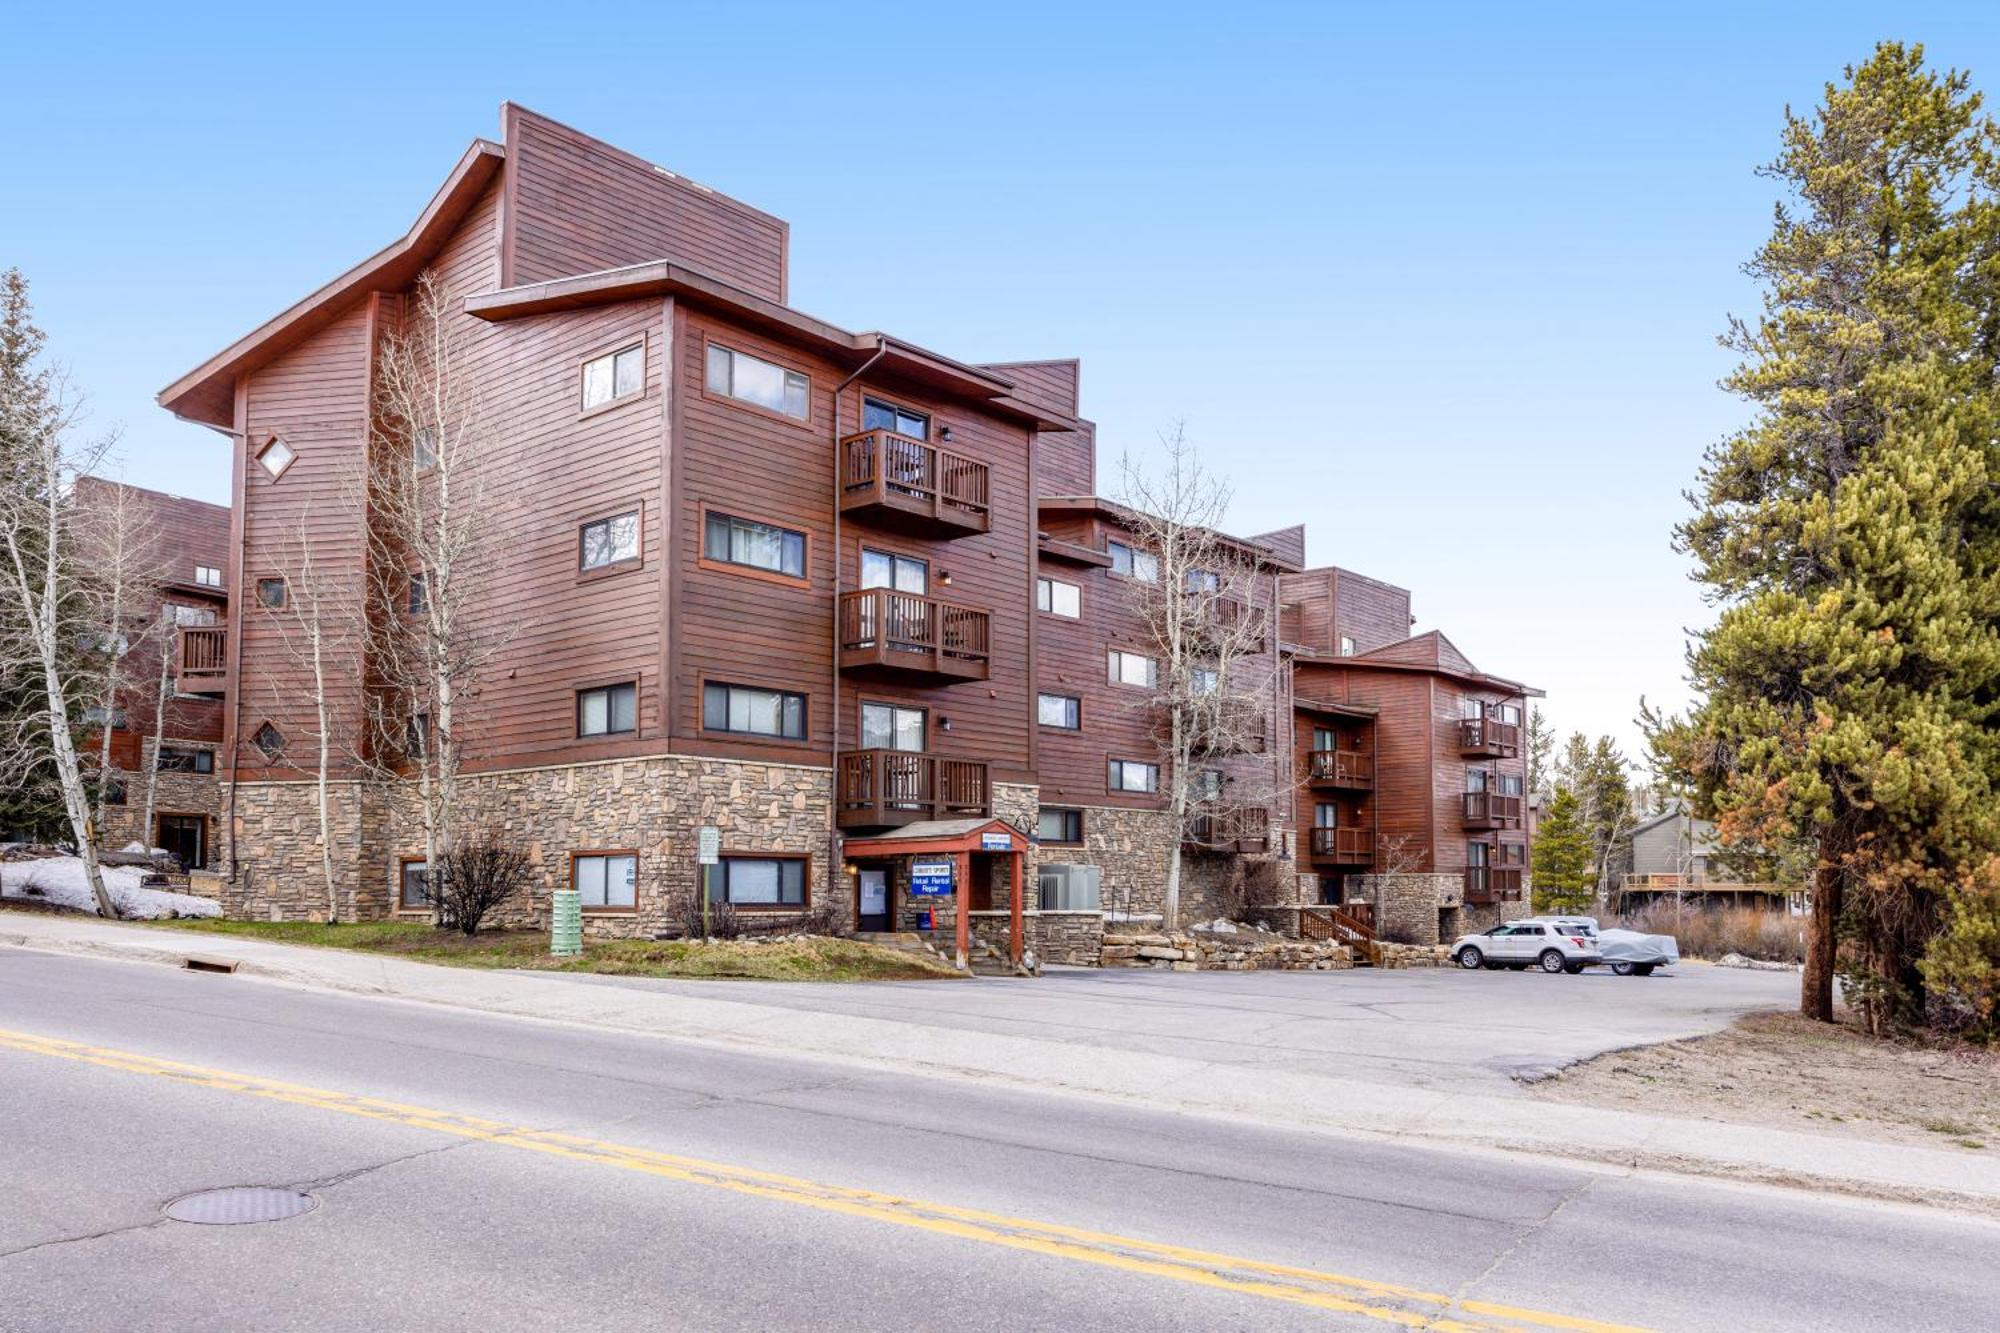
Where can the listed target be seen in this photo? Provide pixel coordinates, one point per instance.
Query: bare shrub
(478, 875)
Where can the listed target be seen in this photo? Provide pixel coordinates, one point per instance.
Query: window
(271, 593)
(1510, 784)
(1325, 738)
(1058, 598)
(610, 710)
(1472, 710)
(1060, 710)
(1203, 580)
(1054, 825)
(885, 569)
(1203, 680)
(613, 376)
(174, 759)
(1476, 853)
(423, 449)
(607, 541)
(208, 576)
(1326, 815)
(114, 791)
(1130, 775)
(606, 882)
(753, 712)
(742, 541)
(1475, 779)
(1132, 562)
(753, 380)
(759, 881)
(1507, 713)
(1211, 784)
(878, 415)
(420, 593)
(413, 886)
(269, 742)
(417, 736)
(1346, 645)
(191, 615)
(275, 457)
(1131, 669)
(888, 727)
(96, 716)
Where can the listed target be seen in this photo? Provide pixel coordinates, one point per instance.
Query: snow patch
(62, 881)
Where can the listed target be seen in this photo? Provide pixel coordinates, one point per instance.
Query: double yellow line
(1388, 1302)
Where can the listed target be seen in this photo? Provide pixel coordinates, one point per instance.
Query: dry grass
(1786, 1072)
(808, 958)
(1711, 932)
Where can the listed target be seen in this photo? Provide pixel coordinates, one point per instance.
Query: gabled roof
(1429, 652)
(206, 394)
(1123, 515)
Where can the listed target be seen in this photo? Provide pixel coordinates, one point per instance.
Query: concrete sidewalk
(1279, 1096)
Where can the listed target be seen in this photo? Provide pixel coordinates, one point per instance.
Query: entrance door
(872, 912)
(186, 836)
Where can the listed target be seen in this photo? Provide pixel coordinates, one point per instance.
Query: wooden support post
(962, 890)
(1014, 902)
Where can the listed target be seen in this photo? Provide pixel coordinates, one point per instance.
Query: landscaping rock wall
(1244, 949)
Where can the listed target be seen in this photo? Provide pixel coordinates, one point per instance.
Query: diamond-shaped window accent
(269, 742)
(275, 457)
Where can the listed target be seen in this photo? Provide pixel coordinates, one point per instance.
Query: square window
(608, 541)
(208, 576)
(269, 743)
(1054, 825)
(271, 593)
(1060, 710)
(1059, 598)
(1132, 775)
(612, 710)
(275, 457)
(1131, 669)
(615, 375)
(606, 882)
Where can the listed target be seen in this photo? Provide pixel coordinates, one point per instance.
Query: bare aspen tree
(320, 624)
(433, 537)
(123, 567)
(1210, 615)
(41, 458)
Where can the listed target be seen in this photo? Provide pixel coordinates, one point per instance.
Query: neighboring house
(854, 603)
(1673, 844)
(193, 548)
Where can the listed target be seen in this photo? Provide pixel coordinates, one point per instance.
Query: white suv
(1549, 945)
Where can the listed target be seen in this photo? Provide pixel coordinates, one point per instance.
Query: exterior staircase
(1333, 923)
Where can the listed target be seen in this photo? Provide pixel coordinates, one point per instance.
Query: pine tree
(1565, 869)
(1851, 531)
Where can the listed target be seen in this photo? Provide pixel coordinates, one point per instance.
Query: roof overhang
(1097, 506)
(1478, 679)
(1054, 548)
(666, 277)
(207, 393)
(939, 837)
(1366, 711)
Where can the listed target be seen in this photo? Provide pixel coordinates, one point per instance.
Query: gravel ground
(1785, 1072)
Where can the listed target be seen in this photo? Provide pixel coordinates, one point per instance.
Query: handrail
(204, 650)
(911, 784)
(1354, 767)
(1344, 844)
(903, 465)
(907, 622)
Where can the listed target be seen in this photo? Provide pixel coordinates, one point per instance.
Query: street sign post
(707, 855)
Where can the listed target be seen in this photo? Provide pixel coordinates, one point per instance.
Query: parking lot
(1417, 1027)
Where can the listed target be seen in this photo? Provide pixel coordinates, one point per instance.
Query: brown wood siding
(1332, 602)
(735, 627)
(579, 205)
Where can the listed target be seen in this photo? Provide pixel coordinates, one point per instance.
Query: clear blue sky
(1441, 281)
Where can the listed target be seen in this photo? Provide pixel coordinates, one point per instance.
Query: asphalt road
(1415, 1027)
(475, 1172)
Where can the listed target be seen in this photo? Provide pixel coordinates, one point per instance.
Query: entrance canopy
(958, 839)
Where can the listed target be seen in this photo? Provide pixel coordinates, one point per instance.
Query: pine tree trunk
(1823, 930)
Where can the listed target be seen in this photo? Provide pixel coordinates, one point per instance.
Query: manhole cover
(244, 1203)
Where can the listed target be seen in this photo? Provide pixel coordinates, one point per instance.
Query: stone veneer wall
(651, 806)
(1429, 908)
(175, 794)
(1072, 938)
(1131, 846)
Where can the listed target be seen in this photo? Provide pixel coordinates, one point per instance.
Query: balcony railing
(1491, 810)
(1244, 831)
(1343, 846)
(887, 788)
(203, 659)
(890, 633)
(905, 483)
(1492, 884)
(1484, 736)
(1353, 769)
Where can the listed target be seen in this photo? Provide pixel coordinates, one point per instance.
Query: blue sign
(995, 842)
(930, 879)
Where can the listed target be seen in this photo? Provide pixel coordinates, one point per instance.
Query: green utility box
(566, 925)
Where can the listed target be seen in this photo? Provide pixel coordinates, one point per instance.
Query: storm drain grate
(243, 1203)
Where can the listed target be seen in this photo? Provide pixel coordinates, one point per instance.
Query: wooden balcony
(1491, 810)
(1484, 737)
(1244, 832)
(1492, 884)
(899, 635)
(906, 484)
(201, 659)
(889, 788)
(1343, 846)
(1351, 769)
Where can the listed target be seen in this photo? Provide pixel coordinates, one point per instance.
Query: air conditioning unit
(1070, 888)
